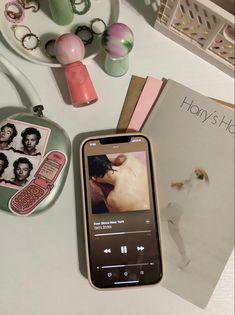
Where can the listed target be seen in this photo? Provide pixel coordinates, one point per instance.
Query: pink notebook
(145, 103)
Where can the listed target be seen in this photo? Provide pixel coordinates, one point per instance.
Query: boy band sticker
(22, 146)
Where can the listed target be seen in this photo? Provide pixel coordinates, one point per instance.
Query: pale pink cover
(147, 99)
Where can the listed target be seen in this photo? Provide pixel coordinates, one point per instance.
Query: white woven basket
(202, 26)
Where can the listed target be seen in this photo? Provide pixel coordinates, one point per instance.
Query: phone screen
(122, 227)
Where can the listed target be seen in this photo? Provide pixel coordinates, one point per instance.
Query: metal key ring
(14, 12)
(27, 37)
(87, 5)
(95, 21)
(84, 29)
(17, 27)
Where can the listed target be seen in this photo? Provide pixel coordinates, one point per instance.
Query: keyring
(98, 21)
(14, 12)
(30, 41)
(20, 31)
(49, 48)
(82, 31)
(35, 6)
(87, 5)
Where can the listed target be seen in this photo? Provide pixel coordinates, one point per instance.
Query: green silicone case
(58, 140)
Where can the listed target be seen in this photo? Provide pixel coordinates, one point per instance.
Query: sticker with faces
(22, 147)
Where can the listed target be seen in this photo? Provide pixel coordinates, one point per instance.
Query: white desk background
(40, 256)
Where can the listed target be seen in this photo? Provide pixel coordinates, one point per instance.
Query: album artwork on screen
(134, 194)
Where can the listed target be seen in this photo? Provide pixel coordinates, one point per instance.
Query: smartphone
(25, 201)
(123, 244)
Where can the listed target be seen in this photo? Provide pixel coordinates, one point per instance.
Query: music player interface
(123, 237)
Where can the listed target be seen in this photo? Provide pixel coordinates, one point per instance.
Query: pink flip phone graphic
(25, 201)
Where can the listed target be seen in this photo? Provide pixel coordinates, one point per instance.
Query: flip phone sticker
(25, 201)
(22, 146)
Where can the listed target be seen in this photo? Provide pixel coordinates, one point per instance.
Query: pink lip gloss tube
(80, 86)
(70, 50)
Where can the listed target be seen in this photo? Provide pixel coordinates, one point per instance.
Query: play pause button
(123, 249)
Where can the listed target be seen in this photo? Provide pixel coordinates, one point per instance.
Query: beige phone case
(155, 192)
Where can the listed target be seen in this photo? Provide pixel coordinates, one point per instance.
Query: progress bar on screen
(128, 265)
(121, 233)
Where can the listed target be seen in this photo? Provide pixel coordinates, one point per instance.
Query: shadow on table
(145, 10)
(100, 58)
(62, 85)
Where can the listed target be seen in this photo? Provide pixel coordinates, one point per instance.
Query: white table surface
(41, 257)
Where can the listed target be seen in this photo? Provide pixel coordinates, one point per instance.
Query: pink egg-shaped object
(69, 48)
(118, 40)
